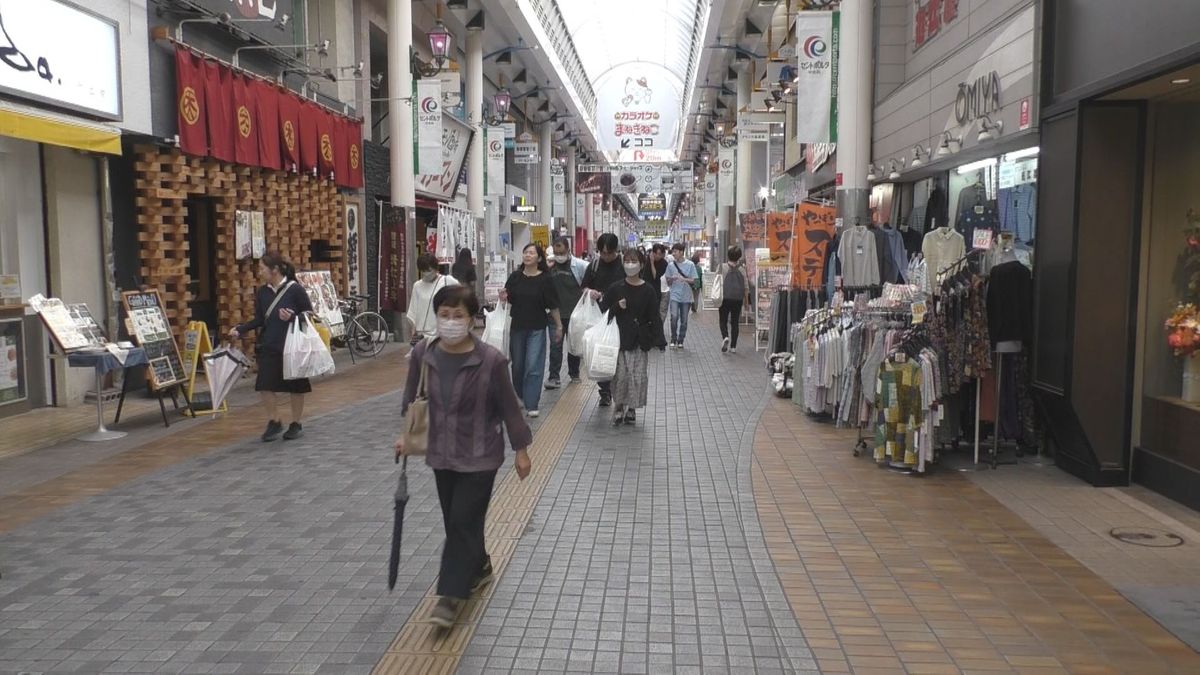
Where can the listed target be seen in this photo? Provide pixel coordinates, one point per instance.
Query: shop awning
(44, 127)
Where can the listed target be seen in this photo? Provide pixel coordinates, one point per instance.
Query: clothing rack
(891, 313)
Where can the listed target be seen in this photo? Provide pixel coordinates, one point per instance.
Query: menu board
(150, 330)
(72, 326)
(324, 298)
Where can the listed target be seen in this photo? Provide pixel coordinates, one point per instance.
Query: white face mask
(452, 331)
(632, 269)
(561, 259)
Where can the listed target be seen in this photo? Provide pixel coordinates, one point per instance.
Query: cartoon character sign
(637, 92)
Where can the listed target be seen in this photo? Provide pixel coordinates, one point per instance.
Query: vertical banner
(779, 236)
(353, 246)
(245, 121)
(218, 110)
(494, 166)
(558, 188)
(341, 154)
(429, 126)
(812, 235)
(189, 92)
(727, 176)
(710, 194)
(816, 91)
(326, 152)
(309, 136)
(289, 131)
(393, 294)
(266, 98)
(354, 149)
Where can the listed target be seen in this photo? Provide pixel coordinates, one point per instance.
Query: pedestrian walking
(680, 276)
(698, 285)
(633, 304)
(276, 305)
(463, 269)
(470, 396)
(533, 303)
(656, 274)
(567, 274)
(735, 291)
(420, 305)
(601, 274)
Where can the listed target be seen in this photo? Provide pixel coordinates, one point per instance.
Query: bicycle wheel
(368, 334)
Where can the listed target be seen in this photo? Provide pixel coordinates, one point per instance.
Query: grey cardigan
(465, 435)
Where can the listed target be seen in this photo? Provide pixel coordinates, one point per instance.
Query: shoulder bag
(416, 420)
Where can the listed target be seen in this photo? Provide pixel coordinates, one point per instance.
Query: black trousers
(730, 315)
(465, 498)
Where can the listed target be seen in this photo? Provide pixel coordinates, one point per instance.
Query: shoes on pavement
(733, 350)
(575, 379)
(486, 575)
(533, 413)
(553, 383)
(630, 417)
(725, 345)
(293, 432)
(445, 612)
(618, 417)
(274, 430)
(605, 399)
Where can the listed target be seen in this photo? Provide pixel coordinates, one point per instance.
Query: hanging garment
(941, 248)
(859, 258)
(1018, 211)
(1009, 303)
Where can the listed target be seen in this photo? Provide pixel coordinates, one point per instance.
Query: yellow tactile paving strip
(386, 373)
(889, 573)
(423, 648)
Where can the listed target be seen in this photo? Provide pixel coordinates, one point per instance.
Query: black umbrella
(398, 524)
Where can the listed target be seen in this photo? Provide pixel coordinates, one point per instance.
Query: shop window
(998, 195)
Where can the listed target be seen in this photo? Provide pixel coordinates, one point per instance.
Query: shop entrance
(202, 242)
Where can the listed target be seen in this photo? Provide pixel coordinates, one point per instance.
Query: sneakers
(725, 345)
(733, 350)
(294, 431)
(575, 379)
(486, 575)
(671, 345)
(553, 383)
(618, 417)
(605, 399)
(630, 417)
(274, 430)
(445, 612)
(533, 414)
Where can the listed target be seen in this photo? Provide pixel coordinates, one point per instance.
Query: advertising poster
(727, 176)
(323, 295)
(428, 102)
(258, 234)
(814, 232)
(494, 164)
(393, 287)
(779, 236)
(442, 185)
(593, 179)
(816, 86)
(540, 234)
(353, 249)
(770, 277)
(241, 234)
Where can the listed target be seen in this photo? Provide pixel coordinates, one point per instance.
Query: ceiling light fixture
(975, 166)
(944, 149)
(917, 152)
(989, 130)
(894, 174)
(871, 175)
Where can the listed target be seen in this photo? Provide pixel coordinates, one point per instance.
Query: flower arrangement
(1183, 330)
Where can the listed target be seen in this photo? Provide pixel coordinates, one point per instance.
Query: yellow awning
(68, 134)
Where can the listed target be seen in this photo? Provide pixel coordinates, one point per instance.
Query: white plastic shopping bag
(585, 315)
(304, 353)
(496, 324)
(716, 292)
(603, 350)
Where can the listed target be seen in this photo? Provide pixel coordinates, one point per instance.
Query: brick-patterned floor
(893, 573)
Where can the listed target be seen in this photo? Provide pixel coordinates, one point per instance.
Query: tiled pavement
(725, 533)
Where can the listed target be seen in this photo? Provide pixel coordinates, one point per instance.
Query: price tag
(919, 310)
(982, 239)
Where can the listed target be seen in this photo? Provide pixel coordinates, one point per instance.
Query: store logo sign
(981, 97)
(429, 105)
(189, 106)
(354, 158)
(289, 135)
(326, 148)
(245, 125)
(253, 9)
(815, 47)
(929, 19)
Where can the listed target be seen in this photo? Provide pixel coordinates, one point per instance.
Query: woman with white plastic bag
(304, 353)
(634, 307)
(496, 325)
(279, 301)
(585, 315)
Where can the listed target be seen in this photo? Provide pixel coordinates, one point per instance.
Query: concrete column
(545, 184)
(854, 111)
(475, 120)
(400, 113)
(745, 186)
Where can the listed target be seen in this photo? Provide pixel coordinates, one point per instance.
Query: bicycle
(367, 333)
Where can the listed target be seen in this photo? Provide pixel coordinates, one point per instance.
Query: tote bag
(416, 420)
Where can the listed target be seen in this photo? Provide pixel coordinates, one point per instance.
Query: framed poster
(442, 185)
(323, 295)
(354, 247)
(258, 234)
(148, 325)
(241, 237)
(71, 326)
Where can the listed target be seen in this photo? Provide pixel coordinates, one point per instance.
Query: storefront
(1119, 250)
(62, 114)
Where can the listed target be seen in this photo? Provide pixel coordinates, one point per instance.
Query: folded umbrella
(225, 366)
(398, 524)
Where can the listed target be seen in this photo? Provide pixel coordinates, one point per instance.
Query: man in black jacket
(606, 270)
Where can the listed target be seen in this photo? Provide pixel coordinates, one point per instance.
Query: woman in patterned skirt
(634, 306)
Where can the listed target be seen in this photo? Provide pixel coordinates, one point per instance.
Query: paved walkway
(724, 533)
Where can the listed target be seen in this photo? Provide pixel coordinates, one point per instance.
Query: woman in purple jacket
(470, 395)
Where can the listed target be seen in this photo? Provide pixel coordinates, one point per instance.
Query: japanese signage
(710, 194)
(816, 154)
(526, 152)
(635, 179)
(494, 166)
(558, 188)
(754, 228)
(638, 111)
(354, 231)
(813, 232)
(42, 58)
(324, 298)
(652, 206)
(393, 282)
(981, 97)
(456, 231)
(930, 16)
(428, 102)
(593, 179)
(540, 235)
(149, 329)
(456, 139)
(816, 86)
(779, 236)
(726, 175)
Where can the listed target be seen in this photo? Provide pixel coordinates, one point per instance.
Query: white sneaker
(533, 413)
(725, 345)
(733, 350)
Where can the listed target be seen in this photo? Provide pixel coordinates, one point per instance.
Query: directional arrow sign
(624, 142)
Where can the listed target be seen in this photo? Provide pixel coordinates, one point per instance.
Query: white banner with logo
(710, 194)
(558, 188)
(494, 142)
(816, 88)
(727, 176)
(429, 127)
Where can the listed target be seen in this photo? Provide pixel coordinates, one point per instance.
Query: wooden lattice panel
(296, 210)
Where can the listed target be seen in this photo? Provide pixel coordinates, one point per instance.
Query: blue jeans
(528, 351)
(679, 320)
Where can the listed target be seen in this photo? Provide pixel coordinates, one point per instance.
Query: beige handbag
(416, 421)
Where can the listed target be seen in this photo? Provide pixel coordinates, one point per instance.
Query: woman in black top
(634, 305)
(276, 304)
(463, 269)
(531, 297)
